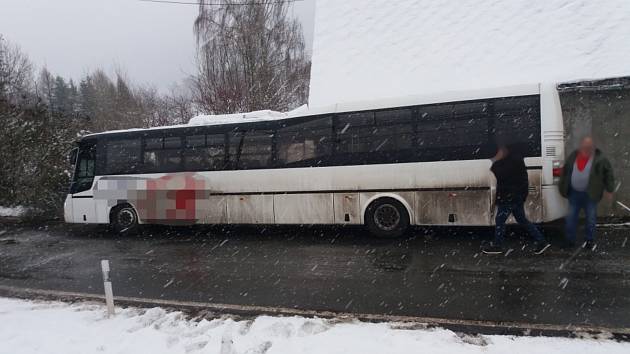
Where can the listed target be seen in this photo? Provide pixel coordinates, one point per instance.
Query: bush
(33, 148)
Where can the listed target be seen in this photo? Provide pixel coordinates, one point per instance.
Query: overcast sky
(153, 43)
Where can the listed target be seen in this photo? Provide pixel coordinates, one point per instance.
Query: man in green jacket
(587, 176)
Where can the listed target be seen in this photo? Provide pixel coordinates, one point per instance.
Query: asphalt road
(434, 273)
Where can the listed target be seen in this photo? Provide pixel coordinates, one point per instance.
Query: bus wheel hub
(386, 217)
(126, 218)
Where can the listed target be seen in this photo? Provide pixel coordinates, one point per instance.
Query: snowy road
(438, 273)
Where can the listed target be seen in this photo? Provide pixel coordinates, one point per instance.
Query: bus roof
(305, 111)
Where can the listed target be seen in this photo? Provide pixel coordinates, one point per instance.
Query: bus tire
(387, 218)
(124, 219)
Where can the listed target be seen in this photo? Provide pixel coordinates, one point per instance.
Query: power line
(271, 2)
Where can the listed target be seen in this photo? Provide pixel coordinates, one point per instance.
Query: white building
(367, 49)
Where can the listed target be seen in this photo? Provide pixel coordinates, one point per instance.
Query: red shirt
(581, 161)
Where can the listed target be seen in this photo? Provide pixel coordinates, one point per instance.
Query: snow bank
(52, 327)
(14, 211)
(381, 48)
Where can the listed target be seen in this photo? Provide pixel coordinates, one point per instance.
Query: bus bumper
(554, 205)
(67, 209)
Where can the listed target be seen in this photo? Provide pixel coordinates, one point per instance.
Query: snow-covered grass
(14, 211)
(53, 327)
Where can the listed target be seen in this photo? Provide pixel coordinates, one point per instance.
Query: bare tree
(16, 72)
(152, 107)
(44, 85)
(180, 104)
(251, 56)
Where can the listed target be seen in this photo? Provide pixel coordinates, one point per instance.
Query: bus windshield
(84, 169)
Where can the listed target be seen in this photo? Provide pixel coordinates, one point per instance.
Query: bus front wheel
(124, 219)
(387, 217)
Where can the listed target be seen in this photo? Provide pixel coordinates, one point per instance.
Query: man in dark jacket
(586, 177)
(512, 190)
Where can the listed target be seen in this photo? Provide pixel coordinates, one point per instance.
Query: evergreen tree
(3, 73)
(87, 101)
(45, 86)
(126, 104)
(60, 97)
(73, 104)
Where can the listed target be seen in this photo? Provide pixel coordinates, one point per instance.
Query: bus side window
(123, 156)
(150, 160)
(193, 153)
(449, 132)
(306, 144)
(204, 153)
(393, 136)
(235, 146)
(517, 119)
(354, 133)
(296, 152)
(171, 159)
(255, 151)
(215, 152)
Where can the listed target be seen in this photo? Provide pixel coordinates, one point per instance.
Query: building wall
(606, 116)
(368, 49)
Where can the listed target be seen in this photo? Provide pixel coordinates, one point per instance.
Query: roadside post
(107, 284)
(623, 205)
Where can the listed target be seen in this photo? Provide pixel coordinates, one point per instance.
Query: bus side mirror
(72, 156)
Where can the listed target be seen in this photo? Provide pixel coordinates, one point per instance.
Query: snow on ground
(365, 50)
(14, 211)
(53, 327)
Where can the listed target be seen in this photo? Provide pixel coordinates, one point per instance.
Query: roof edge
(384, 103)
(595, 85)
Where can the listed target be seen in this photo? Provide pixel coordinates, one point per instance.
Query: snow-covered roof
(365, 50)
(219, 119)
(304, 111)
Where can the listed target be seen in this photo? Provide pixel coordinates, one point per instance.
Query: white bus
(385, 165)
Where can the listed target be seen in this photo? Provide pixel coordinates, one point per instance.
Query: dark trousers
(518, 210)
(577, 202)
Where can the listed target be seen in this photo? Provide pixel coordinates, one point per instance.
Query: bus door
(533, 204)
(81, 195)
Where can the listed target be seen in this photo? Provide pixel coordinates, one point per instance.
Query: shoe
(540, 248)
(589, 245)
(492, 249)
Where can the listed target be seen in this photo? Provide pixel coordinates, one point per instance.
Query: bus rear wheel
(124, 219)
(387, 218)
